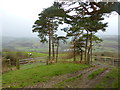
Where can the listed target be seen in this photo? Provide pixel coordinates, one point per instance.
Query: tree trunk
(89, 49)
(91, 55)
(53, 46)
(57, 51)
(74, 52)
(86, 47)
(49, 47)
(81, 54)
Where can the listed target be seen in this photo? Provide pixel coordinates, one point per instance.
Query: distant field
(34, 54)
(26, 44)
(109, 44)
(32, 49)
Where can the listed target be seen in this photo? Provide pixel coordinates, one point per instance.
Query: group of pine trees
(84, 20)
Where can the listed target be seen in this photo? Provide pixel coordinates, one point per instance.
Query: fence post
(9, 64)
(113, 61)
(47, 60)
(17, 64)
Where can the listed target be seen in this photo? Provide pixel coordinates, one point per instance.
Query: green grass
(110, 80)
(26, 66)
(73, 78)
(62, 84)
(25, 77)
(37, 49)
(63, 58)
(95, 73)
(36, 54)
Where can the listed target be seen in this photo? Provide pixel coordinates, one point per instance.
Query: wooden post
(9, 64)
(113, 61)
(17, 64)
(47, 61)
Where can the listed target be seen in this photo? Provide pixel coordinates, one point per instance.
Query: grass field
(40, 73)
(32, 49)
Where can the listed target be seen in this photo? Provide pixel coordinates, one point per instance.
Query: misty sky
(18, 16)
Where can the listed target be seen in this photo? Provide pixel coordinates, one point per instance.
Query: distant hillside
(25, 44)
(109, 44)
(22, 44)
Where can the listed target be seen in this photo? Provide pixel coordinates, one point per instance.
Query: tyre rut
(56, 79)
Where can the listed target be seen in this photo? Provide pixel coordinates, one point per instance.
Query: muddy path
(94, 81)
(56, 79)
(84, 82)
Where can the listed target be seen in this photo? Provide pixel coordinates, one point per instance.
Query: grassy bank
(31, 76)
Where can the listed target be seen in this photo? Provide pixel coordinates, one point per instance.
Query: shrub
(68, 56)
(12, 58)
(102, 54)
(21, 55)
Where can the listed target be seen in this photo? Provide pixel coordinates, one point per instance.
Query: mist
(18, 22)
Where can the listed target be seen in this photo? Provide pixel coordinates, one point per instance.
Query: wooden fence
(33, 60)
(109, 60)
(7, 66)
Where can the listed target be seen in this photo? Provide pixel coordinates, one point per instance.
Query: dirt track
(82, 82)
(50, 83)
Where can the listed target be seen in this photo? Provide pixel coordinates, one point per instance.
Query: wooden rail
(109, 60)
(32, 60)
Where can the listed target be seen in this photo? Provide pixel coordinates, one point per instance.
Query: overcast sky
(18, 16)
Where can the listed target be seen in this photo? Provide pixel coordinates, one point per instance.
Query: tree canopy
(85, 21)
